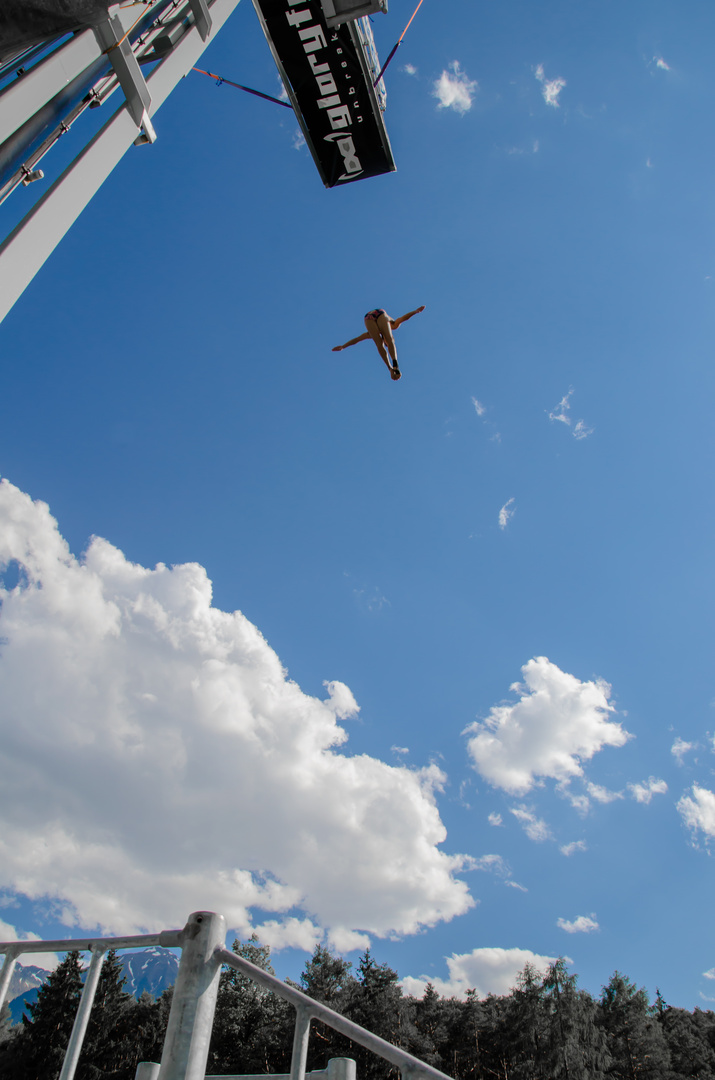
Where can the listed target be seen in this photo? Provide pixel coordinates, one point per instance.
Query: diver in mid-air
(379, 327)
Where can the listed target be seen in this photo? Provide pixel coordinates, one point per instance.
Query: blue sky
(534, 487)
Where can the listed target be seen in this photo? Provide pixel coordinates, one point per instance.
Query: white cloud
(580, 803)
(643, 793)
(680, 748)
(535, 828)
(400, 749)
(698, 812)
(560, 413)
(345, 941)
(660, 63)
(478, 407)
(582, 924)
(516, 885)
(410, 69)
(493, 864)
(488, 971)
(557, 723)
(506, 513)
(454, 90)
(582, 430)
(602, 794)
(709, 974)
(290, 933)
(551, 88)
(157, 760)
(573, 847)
(495, 819)
(48, 961)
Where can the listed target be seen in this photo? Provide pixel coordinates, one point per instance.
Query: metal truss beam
(34, 239)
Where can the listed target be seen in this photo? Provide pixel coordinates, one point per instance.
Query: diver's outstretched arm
(403, 318)
(353, 341)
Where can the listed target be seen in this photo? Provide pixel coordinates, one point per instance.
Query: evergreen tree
(5, 1023)
(691, 1054)
(527, 1023)
(38, 1051)
(253, 1028)
(109, 1046)
(577, 1047)
(636, 1043)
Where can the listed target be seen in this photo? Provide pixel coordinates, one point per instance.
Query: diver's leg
(374, 332)
(385, 329)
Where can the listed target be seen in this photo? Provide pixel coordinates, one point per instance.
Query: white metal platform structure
(188, 1033)
(72, 55)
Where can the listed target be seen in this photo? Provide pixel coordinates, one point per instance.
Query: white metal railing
(188, 1033)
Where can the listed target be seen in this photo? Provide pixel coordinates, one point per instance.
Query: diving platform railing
(188, 1033)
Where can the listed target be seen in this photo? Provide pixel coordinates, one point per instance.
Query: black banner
(328, 80)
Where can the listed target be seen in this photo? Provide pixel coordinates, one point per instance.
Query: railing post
(300, 1043)
(188, 1034)
(147, 1070)
(82, 1018)
(6, 974)
(342, 1068)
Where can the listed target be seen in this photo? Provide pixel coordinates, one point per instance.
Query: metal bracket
(202, 17)
(111, 37)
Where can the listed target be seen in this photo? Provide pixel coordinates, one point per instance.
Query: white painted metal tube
(301, 1001)
(188, 1033)
(36, 236)
(301, 1035)
(79, 1028)
(147, 1070)
(139, 941)
(7, 969)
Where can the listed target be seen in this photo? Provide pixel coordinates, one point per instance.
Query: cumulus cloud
(454, 90)
(709, 974)
(573, 847)
(478, 407)
(488, 971)
(643, 793)
(495, 819)
(557, 723)
(506, 513)
(660, 63)
(602, 794)
(680, 748)
(410, 69)
(698, 811)
(551, 88)
(157, 759)
(535, 828)
(582, 924)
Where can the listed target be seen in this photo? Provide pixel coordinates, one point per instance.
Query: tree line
(546, 1028)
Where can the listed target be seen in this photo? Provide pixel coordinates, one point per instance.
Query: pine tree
(5, 1023)
(527, 1021)
(577, 1048)
(253, 1028)
(38, 1051)
(109, 1044)
(635, 1040)
(691, 1054)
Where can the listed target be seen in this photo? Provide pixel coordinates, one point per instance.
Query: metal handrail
(188, 1033)
(308, 1009)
